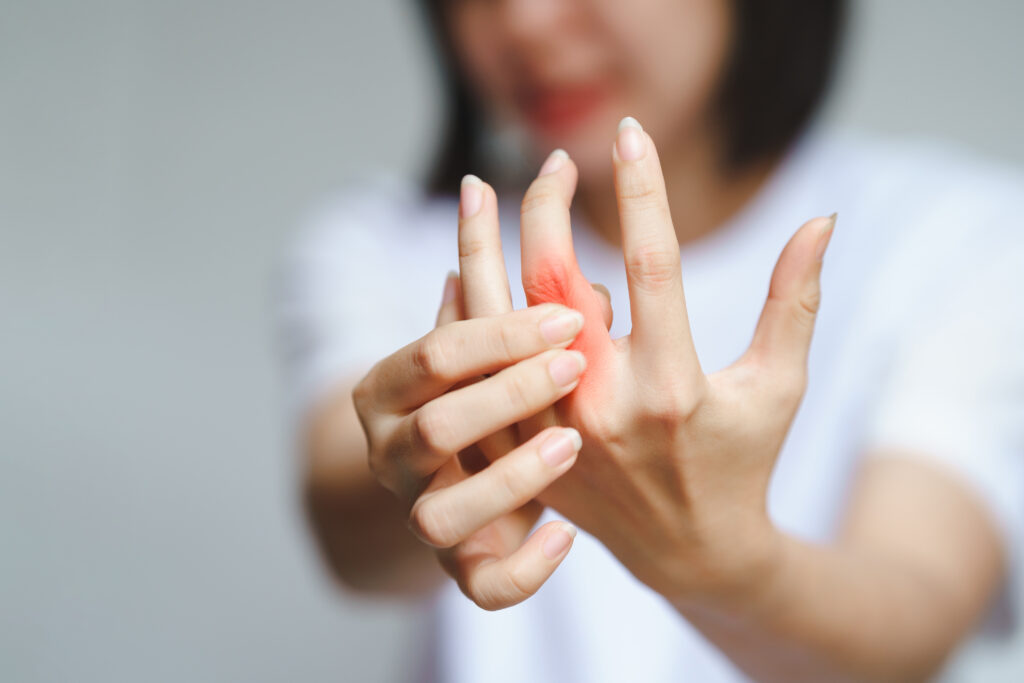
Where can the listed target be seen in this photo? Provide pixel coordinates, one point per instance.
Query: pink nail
(554, 162)
(561, 327)
(630, 144)
(558, 541)
(566, 367)
(471, 196)
(825, 237)
(560, 446)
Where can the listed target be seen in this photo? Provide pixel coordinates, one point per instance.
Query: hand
(422, 410)
(679, 461)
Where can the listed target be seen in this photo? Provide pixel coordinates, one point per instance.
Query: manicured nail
(450, 287)
(559, 540)
(825, 236)
(567, 367)
(561, 326)
(471, 196)
(554, 162)
(561, 446)
(630, 144)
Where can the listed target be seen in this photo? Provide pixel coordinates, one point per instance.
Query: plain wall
(154, 157)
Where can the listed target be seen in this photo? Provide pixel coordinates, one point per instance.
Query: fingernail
(559, 540)
(471, 196)
(554, 162)
(561, 326)
(825, 236)
(630, 144)
(566, 367)
(450, 283)
(561, 446)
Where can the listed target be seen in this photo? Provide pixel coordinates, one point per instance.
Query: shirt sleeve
(351, 290)
(954, 393)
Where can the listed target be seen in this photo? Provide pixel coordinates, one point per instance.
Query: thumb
(783, 335)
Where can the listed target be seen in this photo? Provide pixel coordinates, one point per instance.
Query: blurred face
(568, 70)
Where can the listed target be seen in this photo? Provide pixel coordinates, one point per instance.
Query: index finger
(481, 261)
(466, 349)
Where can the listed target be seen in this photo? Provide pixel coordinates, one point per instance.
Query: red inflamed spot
(555, 281)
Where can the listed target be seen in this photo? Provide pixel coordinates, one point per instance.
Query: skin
(680, 460)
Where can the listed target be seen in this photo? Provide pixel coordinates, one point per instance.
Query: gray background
(154, 157)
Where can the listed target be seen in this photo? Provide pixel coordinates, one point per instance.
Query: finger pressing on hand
(446, 515)
(651, 250)
(495, 583)
(446, 425)
(783, 335)
(481, 261)
(466, 349)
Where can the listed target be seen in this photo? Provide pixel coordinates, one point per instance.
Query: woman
(749, 504)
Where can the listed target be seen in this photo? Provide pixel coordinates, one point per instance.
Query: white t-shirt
(919, 345)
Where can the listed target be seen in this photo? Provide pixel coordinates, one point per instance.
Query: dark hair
(782, 57)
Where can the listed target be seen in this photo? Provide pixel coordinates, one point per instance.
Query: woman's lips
(557, 110)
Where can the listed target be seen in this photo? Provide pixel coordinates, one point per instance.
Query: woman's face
(568, 70)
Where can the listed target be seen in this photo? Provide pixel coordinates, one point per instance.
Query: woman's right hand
(426, 404)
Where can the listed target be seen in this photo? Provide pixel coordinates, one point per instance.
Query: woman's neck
(701, 193)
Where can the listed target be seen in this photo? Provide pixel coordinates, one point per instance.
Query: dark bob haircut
(782, 58)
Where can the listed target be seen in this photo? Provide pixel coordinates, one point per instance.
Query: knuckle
(540, 195)
(472, 244)
(641, 195)
(517, 584)
(512, 588)
(518, 390)
(791, 386)
(674, 404)
(671, 410)
(507, 341)
(484, 599)
(383, 469)
(547, 281)
(433, 430)
(511, 484)
(605, 426)
(431, 522)
(808, 304)
(361, 396)
(431, 357)
(653, 268)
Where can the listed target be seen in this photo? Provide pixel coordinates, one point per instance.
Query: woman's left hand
(675, 466)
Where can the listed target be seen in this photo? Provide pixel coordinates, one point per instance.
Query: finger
(451, 301)
(458, 419)
(783, 334)
(550, 271)
(495, 583)
(481, 262)
(466, 349)
(606, 303)
(445, 515)
(651, 251)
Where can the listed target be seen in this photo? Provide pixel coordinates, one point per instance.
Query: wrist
(742, 577)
